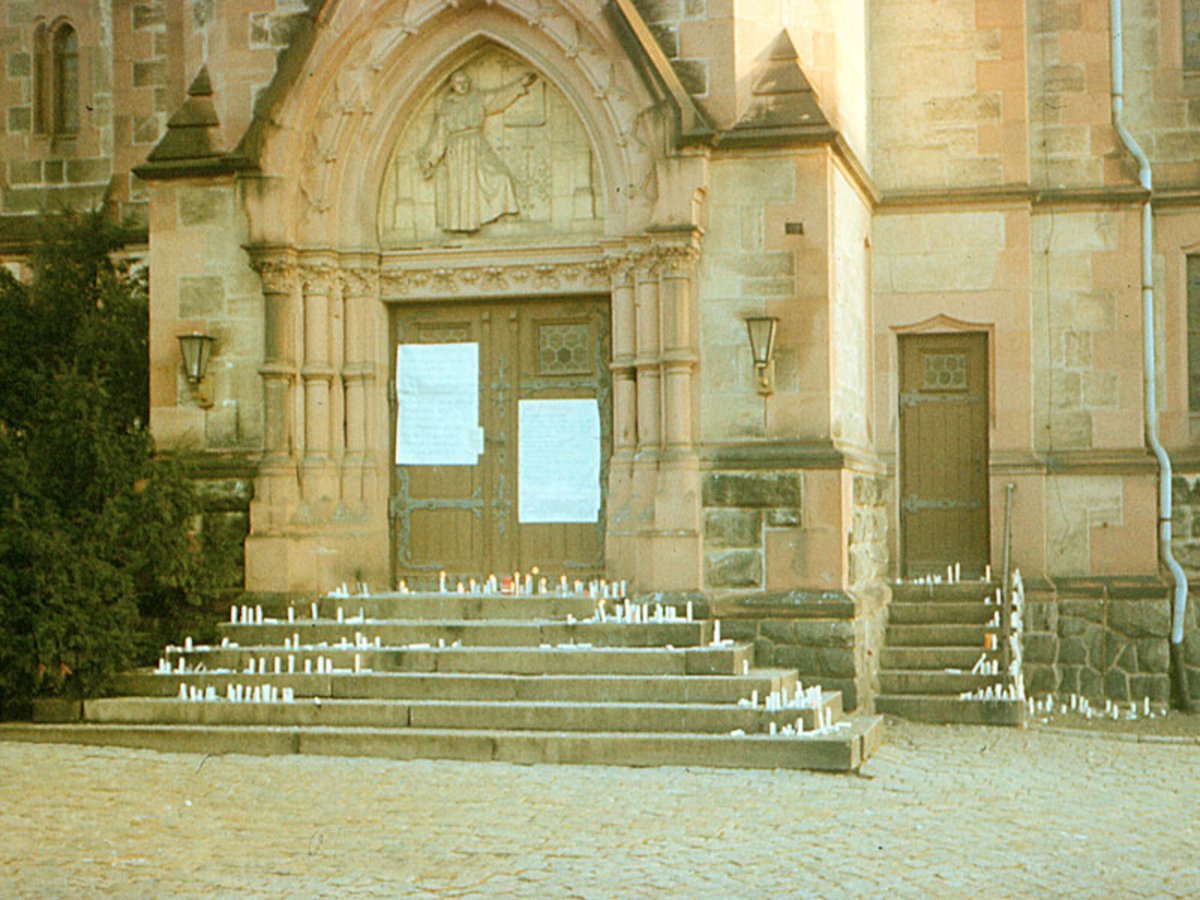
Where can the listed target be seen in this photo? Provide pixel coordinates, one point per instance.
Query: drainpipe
(1150, 367)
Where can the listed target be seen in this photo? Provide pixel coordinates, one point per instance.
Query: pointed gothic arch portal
(494, 159)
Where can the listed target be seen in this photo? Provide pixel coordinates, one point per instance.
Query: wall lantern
(196, 350)
(762, 347)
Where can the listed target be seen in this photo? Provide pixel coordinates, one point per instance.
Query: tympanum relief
(495, 153)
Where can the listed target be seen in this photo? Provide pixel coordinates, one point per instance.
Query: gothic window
(66, 80)
(56, 80)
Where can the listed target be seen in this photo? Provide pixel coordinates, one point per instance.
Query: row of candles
(776, 701)
(1080, 705)
(953, 576)
(824, 725)
(238, 693)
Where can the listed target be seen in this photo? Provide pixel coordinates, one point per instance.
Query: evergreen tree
(101, 553)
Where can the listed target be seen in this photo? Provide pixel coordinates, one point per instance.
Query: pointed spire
(782, 97)
(194, 132)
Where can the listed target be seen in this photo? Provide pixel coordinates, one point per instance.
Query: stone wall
(869, 531)
(1102, 642)
(740, 509)
(226, 487)
(829, 637)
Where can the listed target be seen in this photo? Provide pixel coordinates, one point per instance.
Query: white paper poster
(558, 461)
(437, 405)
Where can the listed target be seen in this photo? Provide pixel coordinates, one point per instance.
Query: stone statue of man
(474, 186)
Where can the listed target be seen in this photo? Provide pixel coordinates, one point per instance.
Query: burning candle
(442, 581)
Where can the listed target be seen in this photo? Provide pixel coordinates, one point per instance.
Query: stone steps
(959, 592)
(461, 676)
(729, 659)
(917, 613)
(935, 636)
(446, 606)
(951, 710)
(486, 715)
(475, 633)
(502, 687)
(841, 751)
(916, 681)
(926, 658)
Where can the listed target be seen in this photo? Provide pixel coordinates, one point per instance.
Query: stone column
(679, 351)
(278, 370)
(317, 374)
(621, 528)
(624, 370)
(648, 361)
(359, 290)
(677, 546)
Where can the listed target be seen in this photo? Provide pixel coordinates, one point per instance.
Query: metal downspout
(1150, 365)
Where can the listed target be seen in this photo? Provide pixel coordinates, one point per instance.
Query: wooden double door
(944, 453)
(466, 519)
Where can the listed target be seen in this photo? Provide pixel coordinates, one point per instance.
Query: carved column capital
(318, 278)
(277, 275)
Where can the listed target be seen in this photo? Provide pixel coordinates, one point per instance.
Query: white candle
(773, 729)
(314, 611)
(357, 663)
(308, 667)
(291, 614)
(278, 665)
(258, 617)
(233, 611)
(716, 631)
(689, 610)
(745, 667)
(442, 582)
(957, 572)
(754, 699)
(341, 615)
(291, 665)
(987, 572)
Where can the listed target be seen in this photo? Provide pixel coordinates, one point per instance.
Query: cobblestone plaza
(938, 812)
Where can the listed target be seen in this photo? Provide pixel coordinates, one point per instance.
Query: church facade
(481, 280)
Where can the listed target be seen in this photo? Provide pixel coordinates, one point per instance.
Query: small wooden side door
(944, 453)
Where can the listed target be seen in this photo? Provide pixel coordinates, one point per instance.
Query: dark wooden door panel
(465, 519)
(943, 452)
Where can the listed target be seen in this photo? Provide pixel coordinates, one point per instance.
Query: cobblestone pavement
(937, 812)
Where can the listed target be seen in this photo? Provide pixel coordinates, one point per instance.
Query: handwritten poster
(558, 461)
(437, 405)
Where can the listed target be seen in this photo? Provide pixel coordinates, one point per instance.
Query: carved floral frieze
(587, 277)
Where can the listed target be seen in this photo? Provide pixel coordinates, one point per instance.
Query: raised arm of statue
(501, 98)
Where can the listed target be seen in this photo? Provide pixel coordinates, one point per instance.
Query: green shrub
(101, 553)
